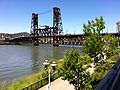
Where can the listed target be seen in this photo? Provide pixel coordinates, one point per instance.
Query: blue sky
(15, 15)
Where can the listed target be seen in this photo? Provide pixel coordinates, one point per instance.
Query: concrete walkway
(59, 84)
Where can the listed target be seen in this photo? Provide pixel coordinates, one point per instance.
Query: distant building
(44, 30)
(44, 27)
(4, 36)
(118, 27)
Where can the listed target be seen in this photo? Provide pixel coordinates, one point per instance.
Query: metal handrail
(40, 83)
(108, 82)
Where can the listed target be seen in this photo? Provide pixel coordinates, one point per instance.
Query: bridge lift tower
(34, 24)
(57, 21)
(56, 29)
(118, 27)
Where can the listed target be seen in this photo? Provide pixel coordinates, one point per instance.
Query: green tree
(109, 45)
(99, 47)
(97, 50)
(74, 70)
(96, 45)
(93, 39)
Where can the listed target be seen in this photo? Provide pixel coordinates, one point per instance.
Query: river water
(17, 61)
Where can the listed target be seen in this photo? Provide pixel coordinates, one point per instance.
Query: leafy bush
(74, 69)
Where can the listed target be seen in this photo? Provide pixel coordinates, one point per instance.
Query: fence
(42, 82)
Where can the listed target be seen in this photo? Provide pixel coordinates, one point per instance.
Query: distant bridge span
(68, 39)
(61, 39)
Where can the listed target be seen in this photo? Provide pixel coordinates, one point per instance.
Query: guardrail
(111, 78)
(36, 85)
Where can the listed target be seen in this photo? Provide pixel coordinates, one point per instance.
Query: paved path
(59, 84)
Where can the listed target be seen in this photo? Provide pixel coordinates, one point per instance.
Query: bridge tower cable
(48, 11)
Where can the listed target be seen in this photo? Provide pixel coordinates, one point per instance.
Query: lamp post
(46, 63)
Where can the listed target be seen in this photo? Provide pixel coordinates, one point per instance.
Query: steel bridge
(51, 35)
(76, 39)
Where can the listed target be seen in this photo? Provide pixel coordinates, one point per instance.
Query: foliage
(74, 69)
(96, 45)
(97, 50)
(109, 45)
(101, 70)
(60, 64)
(92, 43)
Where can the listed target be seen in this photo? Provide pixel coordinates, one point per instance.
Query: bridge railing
(108, 82)
(38, 84)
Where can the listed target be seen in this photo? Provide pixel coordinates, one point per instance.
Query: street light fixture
(46, 63)
(53, 65)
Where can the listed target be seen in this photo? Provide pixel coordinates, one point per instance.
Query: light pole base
(48, 87)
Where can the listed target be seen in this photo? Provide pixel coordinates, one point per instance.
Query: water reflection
(58, 52)
(35, 59)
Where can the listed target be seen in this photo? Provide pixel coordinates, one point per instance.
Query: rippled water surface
(17, 61)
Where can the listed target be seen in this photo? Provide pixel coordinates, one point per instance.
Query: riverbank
(9, 44)
(3, 42)
(27, 80)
